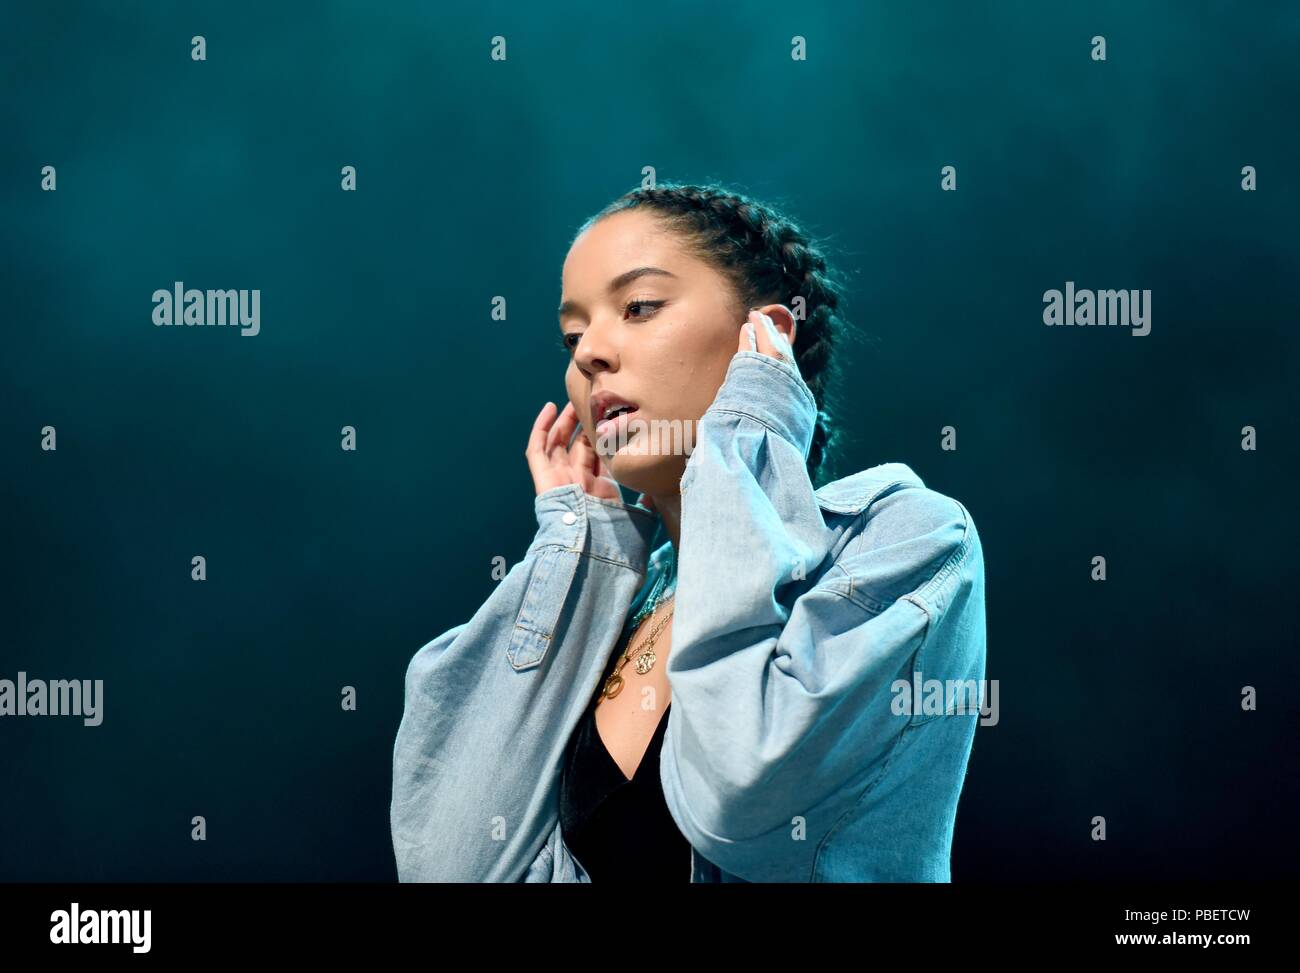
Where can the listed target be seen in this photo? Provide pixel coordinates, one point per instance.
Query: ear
(783, 318)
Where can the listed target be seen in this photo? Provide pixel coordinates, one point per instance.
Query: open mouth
(609, 410)
(615, 420)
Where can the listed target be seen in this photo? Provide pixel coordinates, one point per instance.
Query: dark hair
(768, 259)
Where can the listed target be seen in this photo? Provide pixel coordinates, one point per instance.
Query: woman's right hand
(554, 463)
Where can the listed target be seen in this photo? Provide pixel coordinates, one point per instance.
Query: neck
(670, 509)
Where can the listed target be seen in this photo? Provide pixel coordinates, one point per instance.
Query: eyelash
(564, 338)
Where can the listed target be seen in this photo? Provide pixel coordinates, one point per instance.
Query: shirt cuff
(606, 529)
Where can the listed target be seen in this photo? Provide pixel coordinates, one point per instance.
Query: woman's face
(654, 327)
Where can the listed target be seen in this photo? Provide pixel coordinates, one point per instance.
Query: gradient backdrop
(329, 568)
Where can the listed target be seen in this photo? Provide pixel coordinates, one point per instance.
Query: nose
(597, 349)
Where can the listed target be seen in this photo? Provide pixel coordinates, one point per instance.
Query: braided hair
(768, 259)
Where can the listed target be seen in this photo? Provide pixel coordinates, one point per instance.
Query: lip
(618, 424)
(601, 401)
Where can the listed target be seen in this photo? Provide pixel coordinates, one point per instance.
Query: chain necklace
(646, 658)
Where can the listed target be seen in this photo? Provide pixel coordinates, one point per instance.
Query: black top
(620, 830)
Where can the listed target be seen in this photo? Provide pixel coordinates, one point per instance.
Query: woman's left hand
(760, 334)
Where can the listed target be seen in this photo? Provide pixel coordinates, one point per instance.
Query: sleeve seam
(583, 552)
(952, 564)
(921, 595)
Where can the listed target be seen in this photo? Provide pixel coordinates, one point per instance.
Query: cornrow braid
(768, 259)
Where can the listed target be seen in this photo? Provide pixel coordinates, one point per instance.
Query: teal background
(328, 568)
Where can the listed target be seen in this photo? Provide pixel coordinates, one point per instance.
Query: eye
(656, 305)
(569, 342)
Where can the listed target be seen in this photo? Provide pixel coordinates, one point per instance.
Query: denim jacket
(799, 616)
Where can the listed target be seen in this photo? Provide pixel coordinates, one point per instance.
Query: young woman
(720, 681)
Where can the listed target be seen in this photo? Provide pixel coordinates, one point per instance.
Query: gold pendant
(613, 686)
(646, 661)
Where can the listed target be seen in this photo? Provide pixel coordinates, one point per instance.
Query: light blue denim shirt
(799, 616)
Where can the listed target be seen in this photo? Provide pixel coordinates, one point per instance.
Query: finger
(599, 465)
(582, 457)
(590, 470)
(535, 451)
(541, 426)
(558, 438)
(778, 342)
(748, 341)
(609, 442)
(584, 446)
(762, 337)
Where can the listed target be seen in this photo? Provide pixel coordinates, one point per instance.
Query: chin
(647, 473)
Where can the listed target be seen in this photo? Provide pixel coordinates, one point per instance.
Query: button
(570, 518)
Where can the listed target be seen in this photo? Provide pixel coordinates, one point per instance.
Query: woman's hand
(760, 334)
(554, 463)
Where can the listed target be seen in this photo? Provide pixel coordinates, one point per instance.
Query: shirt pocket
(551, 577)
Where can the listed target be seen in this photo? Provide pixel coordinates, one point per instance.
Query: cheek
(579, 391)
(697, 374)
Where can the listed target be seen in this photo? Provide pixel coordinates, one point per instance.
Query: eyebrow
(617, 284)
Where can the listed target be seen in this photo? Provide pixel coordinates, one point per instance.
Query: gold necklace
(645, 660)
